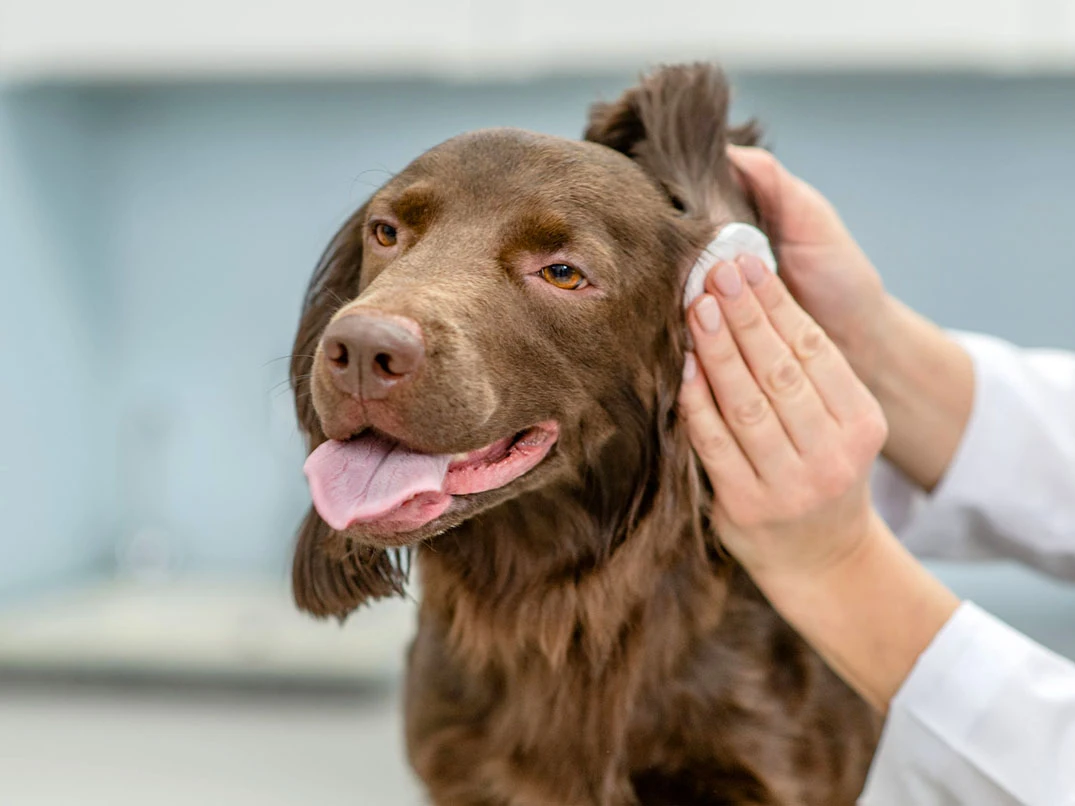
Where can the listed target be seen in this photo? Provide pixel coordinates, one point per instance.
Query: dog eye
(563, 276)
(385, 234)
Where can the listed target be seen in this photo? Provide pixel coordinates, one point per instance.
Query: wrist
(796, 589)
(870, 615)
(873, 351)
(924, 382)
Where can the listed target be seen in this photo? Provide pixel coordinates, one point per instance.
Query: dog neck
(568, 572)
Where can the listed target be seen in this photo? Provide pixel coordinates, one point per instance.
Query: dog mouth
(378, 483)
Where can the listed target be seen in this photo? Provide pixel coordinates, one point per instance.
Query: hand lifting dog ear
(674, 125)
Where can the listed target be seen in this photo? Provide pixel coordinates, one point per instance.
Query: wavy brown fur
(581, 640)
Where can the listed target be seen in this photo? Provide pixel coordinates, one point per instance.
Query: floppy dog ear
(325, 583)
(674, 124)
(331, 576)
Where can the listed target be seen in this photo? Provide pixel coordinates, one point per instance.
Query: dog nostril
(384, 362)
(336, 352)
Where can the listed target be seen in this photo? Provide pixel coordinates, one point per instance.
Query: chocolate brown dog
(486, 372)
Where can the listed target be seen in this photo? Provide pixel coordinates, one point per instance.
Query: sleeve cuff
(920, 518)
(994, 438)
(927, 752)
(986, 716)
(1009, 489)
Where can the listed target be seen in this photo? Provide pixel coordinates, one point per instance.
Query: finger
(841, 391)
(778, 371)
(721, 455)
(743, 405)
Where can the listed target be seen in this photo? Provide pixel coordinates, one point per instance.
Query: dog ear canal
(325, 584)
(674, 125)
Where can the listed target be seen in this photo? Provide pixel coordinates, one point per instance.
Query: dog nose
(370, 354)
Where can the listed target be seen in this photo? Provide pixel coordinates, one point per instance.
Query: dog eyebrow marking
(416, 206)
(540, 232)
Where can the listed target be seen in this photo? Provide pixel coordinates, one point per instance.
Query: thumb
(794, 210)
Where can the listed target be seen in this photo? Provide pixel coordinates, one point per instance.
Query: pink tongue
(375, 480)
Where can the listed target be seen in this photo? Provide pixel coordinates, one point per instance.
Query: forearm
(869, 616)
(925, 383)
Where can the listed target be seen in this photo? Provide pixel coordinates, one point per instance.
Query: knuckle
(750, 317)
(713, 444)
(688, 405)
(751, 412)
(721, 353)
(787, 377)
(871, 430)
(810, 343)
(774, 296)
(834, 479)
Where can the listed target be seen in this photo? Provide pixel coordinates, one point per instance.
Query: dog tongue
(373, 479)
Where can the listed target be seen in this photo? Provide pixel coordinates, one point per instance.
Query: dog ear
(330, 575)
(674, 124)
(327, 584)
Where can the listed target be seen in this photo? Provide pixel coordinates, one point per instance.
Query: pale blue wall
(55, 508)
(154, 242)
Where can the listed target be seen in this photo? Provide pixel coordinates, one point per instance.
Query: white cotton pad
(732, 241)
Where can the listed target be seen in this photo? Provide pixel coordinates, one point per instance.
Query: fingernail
(753, 269)
(728, 281)
(690, 367)
(708, 313)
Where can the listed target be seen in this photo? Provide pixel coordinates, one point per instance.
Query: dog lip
(497, 451)
(501, 462)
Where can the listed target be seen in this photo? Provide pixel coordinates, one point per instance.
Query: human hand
(824, 268)
(790, 447)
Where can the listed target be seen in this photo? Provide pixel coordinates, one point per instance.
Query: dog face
(508, 284)
(480, 327)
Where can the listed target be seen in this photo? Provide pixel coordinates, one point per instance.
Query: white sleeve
(1010, 491)
(986, 718)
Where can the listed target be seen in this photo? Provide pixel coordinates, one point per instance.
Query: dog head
(501, 317)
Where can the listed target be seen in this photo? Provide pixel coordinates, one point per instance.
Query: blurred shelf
(217, 629)
(67, 40)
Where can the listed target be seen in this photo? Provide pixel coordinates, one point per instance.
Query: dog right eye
(563, 276)
(385, 234)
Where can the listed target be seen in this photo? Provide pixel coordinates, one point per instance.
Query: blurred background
(169, 174)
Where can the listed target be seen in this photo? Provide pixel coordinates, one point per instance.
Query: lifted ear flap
(330, 575)
(674, 125)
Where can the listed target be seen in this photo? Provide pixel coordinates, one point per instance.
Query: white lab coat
(987, 716)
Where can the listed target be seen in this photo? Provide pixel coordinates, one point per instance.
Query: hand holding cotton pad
(733, 240)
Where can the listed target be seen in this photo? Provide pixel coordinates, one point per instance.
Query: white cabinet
(451, 38)
(1066, 22)
(785, 33)
(150, 38)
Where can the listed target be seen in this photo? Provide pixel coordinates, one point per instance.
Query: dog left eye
(563, 276)
(385, 234)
